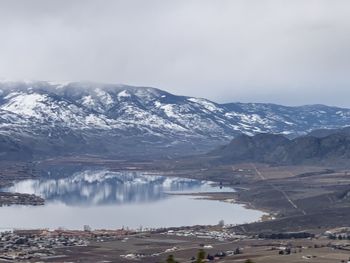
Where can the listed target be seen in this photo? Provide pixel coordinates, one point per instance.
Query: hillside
(43, 119)
(278, 150)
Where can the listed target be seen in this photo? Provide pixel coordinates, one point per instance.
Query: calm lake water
(105, 199)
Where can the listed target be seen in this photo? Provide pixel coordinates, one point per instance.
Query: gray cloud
(290, 52)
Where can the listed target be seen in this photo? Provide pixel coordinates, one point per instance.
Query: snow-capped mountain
(46, 118)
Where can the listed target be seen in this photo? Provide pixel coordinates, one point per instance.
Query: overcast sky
(288, 52)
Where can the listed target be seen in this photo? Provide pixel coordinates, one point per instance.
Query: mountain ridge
(334, 148)
(41, 118)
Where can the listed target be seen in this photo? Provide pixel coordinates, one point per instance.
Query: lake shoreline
(180, 206)
(9, 199)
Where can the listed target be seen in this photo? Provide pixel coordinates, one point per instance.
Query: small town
(40, 243)
(220, 242)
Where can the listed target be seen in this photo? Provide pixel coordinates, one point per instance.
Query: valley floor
(313, 199)
(150, 248)
(298, 197)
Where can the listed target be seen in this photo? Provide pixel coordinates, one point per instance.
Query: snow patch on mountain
(123, 94)
(168, 109)
(206, 104)
(96, 121)
(25, 104)
(105, 98)
(88, 101)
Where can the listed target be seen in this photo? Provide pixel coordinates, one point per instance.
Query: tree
(171, 259)
(200, 256)
(237, 251)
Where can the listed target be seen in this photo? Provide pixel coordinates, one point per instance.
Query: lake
(105, 199)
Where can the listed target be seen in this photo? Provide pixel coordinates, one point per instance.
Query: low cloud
(288, 52)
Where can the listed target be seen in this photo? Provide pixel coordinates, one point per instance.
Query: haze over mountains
(42, 119)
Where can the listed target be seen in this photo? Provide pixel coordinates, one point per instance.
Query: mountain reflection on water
(102, 187)
(105, 199)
